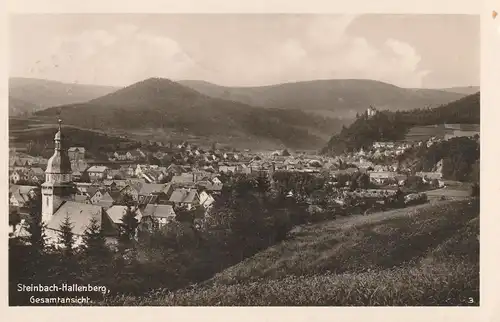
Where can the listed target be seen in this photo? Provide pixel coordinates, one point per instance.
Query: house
(153, 175)
(401, 179)
(80, 216)
(117, 212)
(371, 111)
(120, 156)
(97, 172)
(78, 167)
(155, 193)
(175, 169)
(139, 170)
(206, 200)
(183, 180)
(128, 171)
(20, 195)
(243, 168)
(429, 176)
(36, 175)
(82, 187)
(159, 215)
(384, 145)
(131, 190)
(135, 155)
(188, 198)
(381, 177)
(15, 176)
(95, 194)
(227, 169)
(119, 184)
(134, 186)
(116, 174)
(108, 199)
(76, 153)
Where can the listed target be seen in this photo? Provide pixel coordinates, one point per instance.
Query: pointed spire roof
(59, 163)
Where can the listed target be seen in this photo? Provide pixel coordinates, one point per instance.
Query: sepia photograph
(243, 159)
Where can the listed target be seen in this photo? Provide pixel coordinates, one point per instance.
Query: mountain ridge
(42, 93)
(341, 97)
(158, 103)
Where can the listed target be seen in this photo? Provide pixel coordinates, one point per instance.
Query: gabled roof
(183, 196)
(135, 153)
(150, 188)
(121, 183)
(97, 168)
(91, 191)
(183, 178)
(161, 211)
(38, 171)
(116, 213)
(76, 148)
(145, 200)
(80, 215)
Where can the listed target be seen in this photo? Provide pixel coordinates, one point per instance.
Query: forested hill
(161, 104)
(392, 126)
(334, 97)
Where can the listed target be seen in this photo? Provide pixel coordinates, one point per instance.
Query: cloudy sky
(247, 50)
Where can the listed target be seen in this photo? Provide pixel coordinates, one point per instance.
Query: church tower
(58, 186)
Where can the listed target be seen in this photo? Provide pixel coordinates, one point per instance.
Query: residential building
(15, 176)
(20, 195)
(157, 215)
(188, 198)
(381, 177)
(117, 212)
(384, 145)
(76, 153)
(206, 200)
(97, 172)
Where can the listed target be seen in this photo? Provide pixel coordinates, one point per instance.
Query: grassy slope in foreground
(425, 255)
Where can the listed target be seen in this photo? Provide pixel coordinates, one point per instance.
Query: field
(422, 133)
(423, 255)
(455, 193)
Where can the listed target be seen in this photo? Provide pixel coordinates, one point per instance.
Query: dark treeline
(460, 158)
(393, 126)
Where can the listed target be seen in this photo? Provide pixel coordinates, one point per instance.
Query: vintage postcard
(176, 159)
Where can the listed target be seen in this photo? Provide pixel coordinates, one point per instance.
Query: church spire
(58, 136)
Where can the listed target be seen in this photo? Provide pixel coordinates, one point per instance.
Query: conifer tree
(66, 237)
(35, 228)
(129, 222)
(94, 242)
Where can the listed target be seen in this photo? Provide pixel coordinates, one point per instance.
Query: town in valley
(335, 191)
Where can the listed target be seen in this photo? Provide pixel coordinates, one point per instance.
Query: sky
(429, 51)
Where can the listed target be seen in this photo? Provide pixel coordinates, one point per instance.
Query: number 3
(471, 300)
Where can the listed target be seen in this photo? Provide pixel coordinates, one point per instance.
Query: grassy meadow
(422, 255)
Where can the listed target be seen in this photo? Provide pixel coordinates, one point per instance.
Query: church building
(58, 186)
(58, 200)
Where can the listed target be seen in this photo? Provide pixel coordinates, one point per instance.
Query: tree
(36, 228)
(129, 222)
(474, 190)
(66, 237)
(94, 242)
(14, 218)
